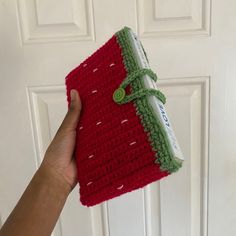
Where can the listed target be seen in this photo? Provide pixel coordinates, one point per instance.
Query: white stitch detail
(94, 91)
(84, 64)
(132, 143)
(120, 187)
(81, 127)
(123, 121)
(112, 64)
(98, 123)
(95, 69)
(90, 156)
(89, 183)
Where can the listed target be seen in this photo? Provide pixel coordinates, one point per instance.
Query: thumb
(72, 117)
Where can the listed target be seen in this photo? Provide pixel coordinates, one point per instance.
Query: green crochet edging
(150, 122)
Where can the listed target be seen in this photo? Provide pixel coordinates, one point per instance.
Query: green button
(119, 95)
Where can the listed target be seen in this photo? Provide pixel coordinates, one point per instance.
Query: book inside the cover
(156, 104)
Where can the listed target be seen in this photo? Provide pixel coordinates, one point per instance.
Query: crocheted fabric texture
(119, 147)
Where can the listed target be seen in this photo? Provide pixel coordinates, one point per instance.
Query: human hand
(59, 160)
(45, 196)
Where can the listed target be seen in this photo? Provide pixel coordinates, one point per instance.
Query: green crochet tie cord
(157, 135)
(120, 96)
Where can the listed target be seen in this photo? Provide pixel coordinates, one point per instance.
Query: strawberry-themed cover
(121, 143)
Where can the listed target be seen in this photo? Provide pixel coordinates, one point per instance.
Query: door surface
(191, 44)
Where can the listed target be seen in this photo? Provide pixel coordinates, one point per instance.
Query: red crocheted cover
(113, 153)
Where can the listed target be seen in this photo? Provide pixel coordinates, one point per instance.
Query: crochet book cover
(124, 137)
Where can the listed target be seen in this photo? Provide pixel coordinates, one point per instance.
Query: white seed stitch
(94, 91)
(98, 123)
(120, 187)
(95, 69)
(91, 156)
(123, 121)
(132, 143)
(81, 127)
(112, 64)
(84, 64)
(89, 183)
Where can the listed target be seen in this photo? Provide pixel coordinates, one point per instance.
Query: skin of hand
(59, 155)
(38, 209)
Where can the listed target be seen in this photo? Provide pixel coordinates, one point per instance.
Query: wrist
(53, 179)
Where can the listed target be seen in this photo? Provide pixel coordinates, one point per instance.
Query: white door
(191, 44)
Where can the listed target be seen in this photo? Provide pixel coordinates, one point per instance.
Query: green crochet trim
(156, 134)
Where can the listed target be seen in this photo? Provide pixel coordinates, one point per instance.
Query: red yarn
(113, 153)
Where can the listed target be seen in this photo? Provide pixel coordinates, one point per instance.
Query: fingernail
(72, 94)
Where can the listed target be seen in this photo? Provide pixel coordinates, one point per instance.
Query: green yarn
(138, 73)
(156, 134)
(139, 94)
(120, 97)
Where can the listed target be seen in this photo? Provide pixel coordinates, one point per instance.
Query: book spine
(157, 105)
